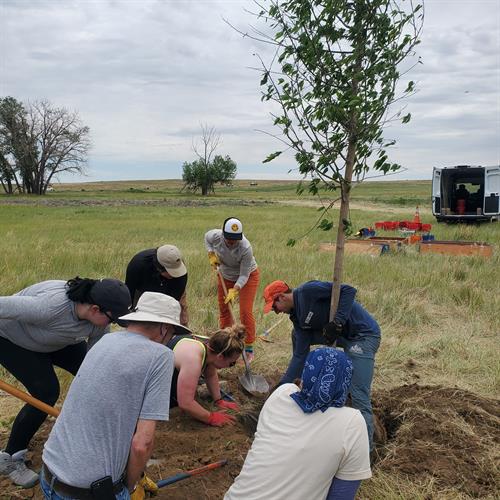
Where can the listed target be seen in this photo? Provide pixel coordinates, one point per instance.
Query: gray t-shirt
(124, 378)
(236, 262)
(41, 318)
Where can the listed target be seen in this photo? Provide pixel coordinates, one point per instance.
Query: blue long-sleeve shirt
(311, 313)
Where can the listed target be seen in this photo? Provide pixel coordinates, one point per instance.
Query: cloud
(145, 74)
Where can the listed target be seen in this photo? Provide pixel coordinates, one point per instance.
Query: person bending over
(194, 359)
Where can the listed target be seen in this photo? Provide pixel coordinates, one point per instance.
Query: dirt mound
(449, 435)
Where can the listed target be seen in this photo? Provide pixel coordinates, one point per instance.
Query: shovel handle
(14, 391)
(190, 473)
(224, 289)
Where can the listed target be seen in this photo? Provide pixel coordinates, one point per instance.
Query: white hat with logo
(232, 229)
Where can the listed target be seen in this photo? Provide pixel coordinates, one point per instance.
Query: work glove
(232, 293)
(218, 419)
(213, 259)
(145, 485)
(222, 403)
(332, 331)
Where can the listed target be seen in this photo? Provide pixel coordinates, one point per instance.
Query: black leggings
(35, 370)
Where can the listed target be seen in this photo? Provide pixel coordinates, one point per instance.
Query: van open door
(436, 191)
(491, 190)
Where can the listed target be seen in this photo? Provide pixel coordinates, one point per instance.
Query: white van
(466, 193)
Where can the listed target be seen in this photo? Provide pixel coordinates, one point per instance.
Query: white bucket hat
(157, 308)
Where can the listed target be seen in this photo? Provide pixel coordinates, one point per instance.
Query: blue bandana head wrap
(325, 380)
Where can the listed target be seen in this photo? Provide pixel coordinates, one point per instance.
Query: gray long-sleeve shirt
(236, 262)
(42, 318)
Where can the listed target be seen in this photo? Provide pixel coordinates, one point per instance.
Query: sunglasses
(111, 319)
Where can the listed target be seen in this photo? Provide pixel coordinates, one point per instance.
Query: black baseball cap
(111, 295)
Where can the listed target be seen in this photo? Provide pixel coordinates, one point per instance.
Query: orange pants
(246, 297)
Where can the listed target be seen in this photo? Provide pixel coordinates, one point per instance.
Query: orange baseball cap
(272, 291)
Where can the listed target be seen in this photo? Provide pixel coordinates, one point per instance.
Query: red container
(392, 225)
(413, 225)
(426, 227)
(460, 207)
(379, 225)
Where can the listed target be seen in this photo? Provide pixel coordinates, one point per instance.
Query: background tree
(39, 142)
(333, 77)
(208, 170)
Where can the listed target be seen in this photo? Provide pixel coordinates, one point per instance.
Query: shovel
(23, 396)
(250, 382)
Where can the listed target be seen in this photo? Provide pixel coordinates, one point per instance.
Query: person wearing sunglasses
(195, 358)
(52, 323)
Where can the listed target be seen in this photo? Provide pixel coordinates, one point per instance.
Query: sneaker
(14, 467)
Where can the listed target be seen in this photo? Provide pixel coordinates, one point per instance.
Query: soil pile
(449, 435)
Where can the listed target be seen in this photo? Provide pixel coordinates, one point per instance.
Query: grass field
(438, 313)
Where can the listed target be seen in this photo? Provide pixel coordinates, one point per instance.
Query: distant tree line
(37, 142)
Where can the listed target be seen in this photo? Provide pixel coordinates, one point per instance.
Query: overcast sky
(145, 74)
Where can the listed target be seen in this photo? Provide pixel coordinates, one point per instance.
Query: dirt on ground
(422, 432)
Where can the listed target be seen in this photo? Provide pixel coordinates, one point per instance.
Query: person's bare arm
(212, 381)
(184, 309)
(189, 361)
(140, 451)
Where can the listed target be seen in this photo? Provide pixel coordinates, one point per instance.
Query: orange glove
(222, 403)
(218, 419)
(232, 293)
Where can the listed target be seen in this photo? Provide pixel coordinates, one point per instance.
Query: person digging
(231, 254)
(353, 329)
(49, 324)
(194, 359)
(104, 436)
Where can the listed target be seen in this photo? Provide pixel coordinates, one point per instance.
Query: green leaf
(272, 156)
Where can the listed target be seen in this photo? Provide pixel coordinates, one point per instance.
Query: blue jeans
(50, 494)
(362, 354)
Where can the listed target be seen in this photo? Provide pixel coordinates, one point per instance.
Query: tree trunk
(343, 216)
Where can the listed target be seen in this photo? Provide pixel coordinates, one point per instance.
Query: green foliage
(38, 142)
(334, 76)
(202, 175)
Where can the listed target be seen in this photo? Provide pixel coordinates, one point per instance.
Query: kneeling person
(300, 452)
(104, 436)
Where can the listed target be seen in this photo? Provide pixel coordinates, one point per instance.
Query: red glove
(218, 419)
(222, 403)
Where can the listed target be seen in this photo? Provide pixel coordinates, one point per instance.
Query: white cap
(232, 229)
(157, 308)
(170, 258)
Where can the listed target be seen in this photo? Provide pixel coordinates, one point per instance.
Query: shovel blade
(254, 383)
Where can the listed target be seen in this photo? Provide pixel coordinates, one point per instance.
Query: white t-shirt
(295, 455)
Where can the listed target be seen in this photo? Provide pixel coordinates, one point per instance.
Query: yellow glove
(232, 293)
(145, 485)
(138, 493)
(213, 259)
